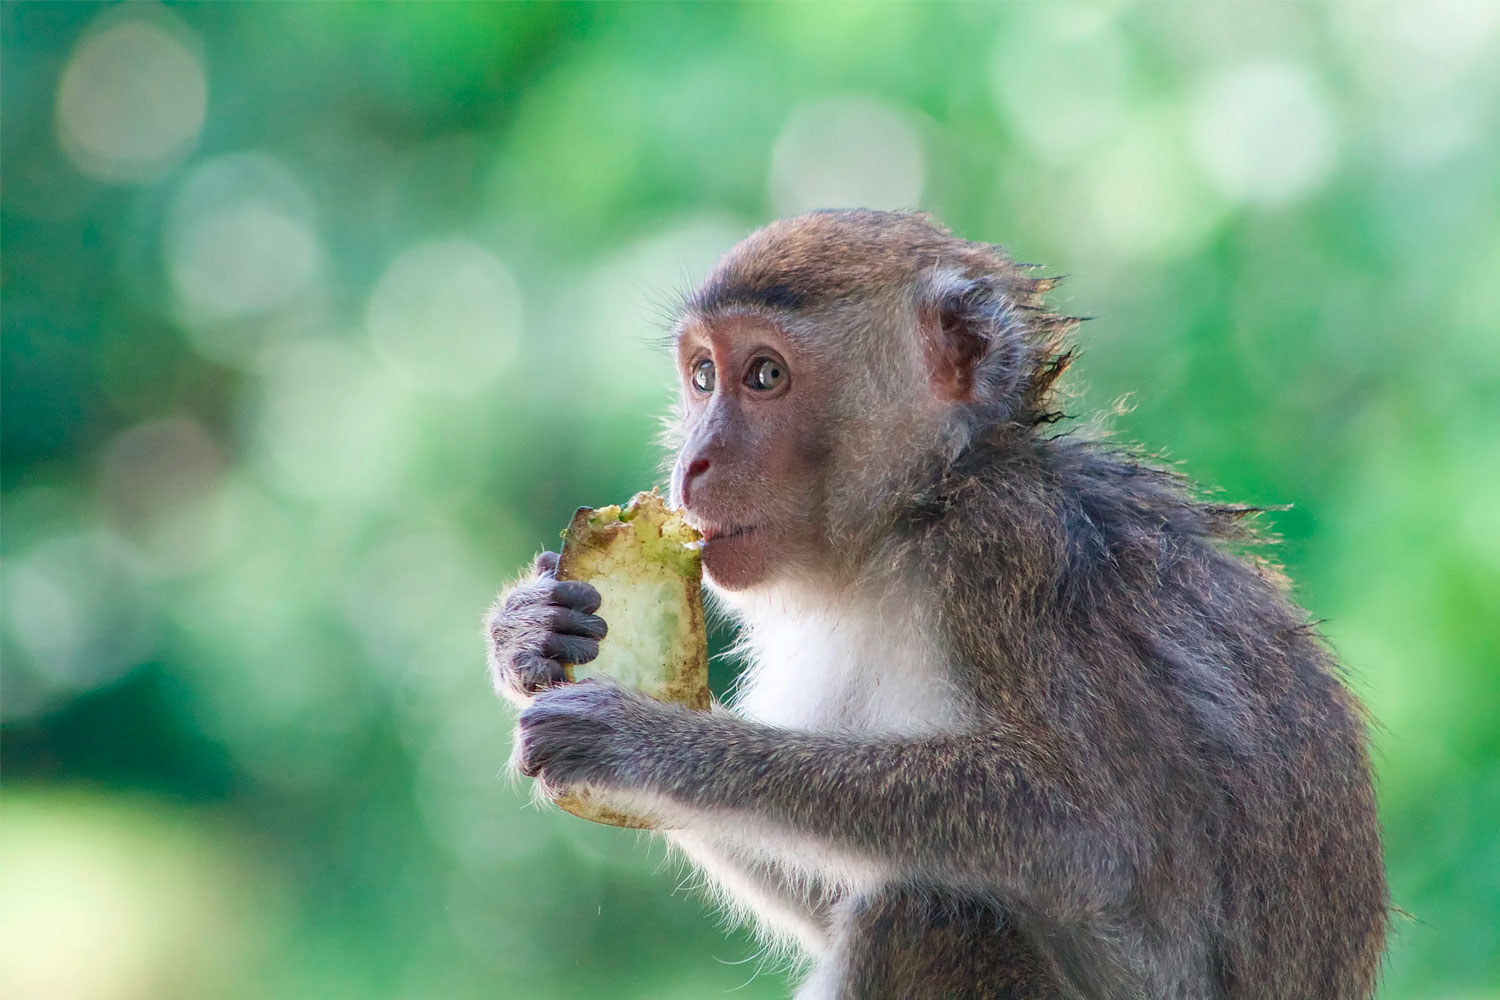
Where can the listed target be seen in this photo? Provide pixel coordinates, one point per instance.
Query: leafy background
(319, 319)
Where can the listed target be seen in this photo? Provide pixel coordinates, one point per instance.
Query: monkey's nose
(696, 468)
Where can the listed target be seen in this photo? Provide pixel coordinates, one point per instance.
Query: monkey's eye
(703, 375)
(766, 374)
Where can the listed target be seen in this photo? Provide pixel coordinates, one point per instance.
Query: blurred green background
(320, 319)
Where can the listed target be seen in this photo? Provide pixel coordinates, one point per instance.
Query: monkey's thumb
(546, 564)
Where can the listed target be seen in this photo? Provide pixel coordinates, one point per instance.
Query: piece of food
(644, 560)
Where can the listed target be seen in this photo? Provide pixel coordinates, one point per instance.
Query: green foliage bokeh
(320, 319)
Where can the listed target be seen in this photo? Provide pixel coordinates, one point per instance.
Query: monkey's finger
(570, 622)
(569, 648)
(535, 673)
(546, 564)
(527, 761)
(577, 595)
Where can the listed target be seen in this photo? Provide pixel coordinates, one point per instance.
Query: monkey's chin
(739, 561)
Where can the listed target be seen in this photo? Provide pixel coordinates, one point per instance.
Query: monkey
(1022, 716)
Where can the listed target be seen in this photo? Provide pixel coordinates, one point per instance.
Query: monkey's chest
(868, 673)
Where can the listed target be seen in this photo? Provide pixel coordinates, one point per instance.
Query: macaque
(1019, 717)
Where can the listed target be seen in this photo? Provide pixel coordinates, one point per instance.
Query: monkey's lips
(722, 533)
(730, 555)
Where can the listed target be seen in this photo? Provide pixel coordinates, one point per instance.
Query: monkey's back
(1195, 710)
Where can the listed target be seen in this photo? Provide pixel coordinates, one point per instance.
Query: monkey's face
(749, 472)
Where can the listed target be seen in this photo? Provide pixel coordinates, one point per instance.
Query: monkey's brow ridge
(725, 293)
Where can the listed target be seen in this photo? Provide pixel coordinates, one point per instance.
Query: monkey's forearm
(961, 805)
(992, 808)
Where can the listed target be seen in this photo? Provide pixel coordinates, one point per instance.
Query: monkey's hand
(594, 733)
(539, 625)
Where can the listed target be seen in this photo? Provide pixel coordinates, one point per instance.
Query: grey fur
(1158, 786)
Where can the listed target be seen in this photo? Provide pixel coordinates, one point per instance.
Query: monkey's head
(826, 363)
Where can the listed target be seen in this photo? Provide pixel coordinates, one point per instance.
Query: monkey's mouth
(734, 557)
(719, 533)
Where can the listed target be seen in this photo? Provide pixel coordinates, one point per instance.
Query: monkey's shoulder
(1062, 520)
(1072, 550)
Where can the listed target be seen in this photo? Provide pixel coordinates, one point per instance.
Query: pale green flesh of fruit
(644, 622)
(650, 583)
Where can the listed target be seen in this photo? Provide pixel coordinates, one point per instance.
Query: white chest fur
(868, 665)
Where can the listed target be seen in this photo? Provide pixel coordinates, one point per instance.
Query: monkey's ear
(960, 322)
(989, 341)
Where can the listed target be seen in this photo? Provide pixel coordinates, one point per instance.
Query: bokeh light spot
(131, 101)
(847, 152)
(1142, 197)
(412, 598)
(1264, 133)
(447, 315)
(239, 238)
(1418, 48)
(76, 606)
(161, 481)
(1067, 97)
(332, 422)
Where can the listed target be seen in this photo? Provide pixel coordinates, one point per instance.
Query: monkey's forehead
(815, 260)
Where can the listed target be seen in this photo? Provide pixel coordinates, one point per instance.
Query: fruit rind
(645, 563)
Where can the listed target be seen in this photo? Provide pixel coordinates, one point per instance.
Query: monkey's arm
(985, 806)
